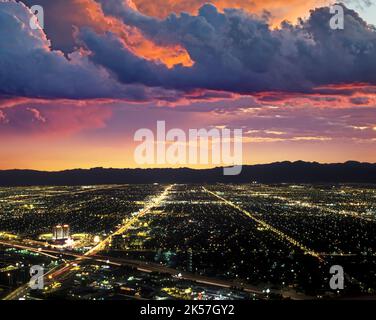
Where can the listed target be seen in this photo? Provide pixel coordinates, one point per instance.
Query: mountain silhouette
(278, 172)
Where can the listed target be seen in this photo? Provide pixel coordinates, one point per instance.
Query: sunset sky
(73, 95)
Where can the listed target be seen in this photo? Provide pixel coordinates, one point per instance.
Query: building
(66, 231)
(61, 232)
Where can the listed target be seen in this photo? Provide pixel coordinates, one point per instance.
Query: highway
(156, 202)
(143, 266)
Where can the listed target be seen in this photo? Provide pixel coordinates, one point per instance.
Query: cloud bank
(239, 52)
(232, 51)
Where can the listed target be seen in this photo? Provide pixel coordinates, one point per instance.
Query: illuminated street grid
(338, 222)
(192, 241)
(94, 209)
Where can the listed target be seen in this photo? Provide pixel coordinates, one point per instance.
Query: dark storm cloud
(238, 52)
(30, 68)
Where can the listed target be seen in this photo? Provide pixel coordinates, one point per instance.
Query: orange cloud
(279, 9)
(145, 48)
(134, 40)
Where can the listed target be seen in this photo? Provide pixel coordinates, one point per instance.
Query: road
(280, 235)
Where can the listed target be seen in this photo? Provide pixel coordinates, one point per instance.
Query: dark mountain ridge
(278, 172)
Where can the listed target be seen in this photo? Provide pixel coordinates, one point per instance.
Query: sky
(73, 94)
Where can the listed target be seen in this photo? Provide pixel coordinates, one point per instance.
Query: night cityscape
(188, 242)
